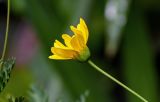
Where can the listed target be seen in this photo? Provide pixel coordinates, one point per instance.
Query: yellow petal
(67, 40)
(58, 44)
(81, 30)
(82, 22)
(77, 42)
(58, 57)
(84, 29)
(75, 30)
(64, 53)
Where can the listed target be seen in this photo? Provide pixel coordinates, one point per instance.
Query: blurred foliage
(116, 19)
(135, 64)
(16, 99)
(18, 85)
(140, 74)
(5, 74)
(37, 95)
(83, 97)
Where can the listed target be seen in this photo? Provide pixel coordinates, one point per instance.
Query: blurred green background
(124, 40)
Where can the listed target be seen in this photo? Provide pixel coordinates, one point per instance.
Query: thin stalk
(7, 28)
(116, 81)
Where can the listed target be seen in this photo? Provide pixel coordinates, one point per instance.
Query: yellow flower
(75, 46)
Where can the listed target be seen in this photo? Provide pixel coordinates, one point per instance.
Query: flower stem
(116, 81)
(7, 28)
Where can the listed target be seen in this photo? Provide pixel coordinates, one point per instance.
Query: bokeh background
(124, 40)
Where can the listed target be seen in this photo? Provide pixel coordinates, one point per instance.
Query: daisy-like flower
(75, 46)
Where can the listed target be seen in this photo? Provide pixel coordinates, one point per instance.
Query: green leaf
(5, 72)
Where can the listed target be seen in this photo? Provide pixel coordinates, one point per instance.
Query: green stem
(6, 34)
(116, 81)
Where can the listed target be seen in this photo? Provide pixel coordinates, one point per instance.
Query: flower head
(75, 46)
